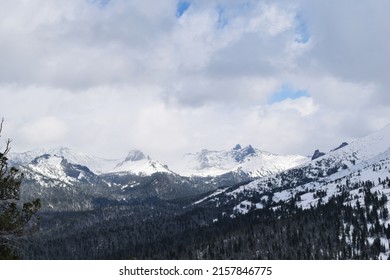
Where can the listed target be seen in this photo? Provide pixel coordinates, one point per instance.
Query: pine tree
(15, 216)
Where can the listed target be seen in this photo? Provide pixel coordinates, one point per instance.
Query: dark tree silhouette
(15, 216)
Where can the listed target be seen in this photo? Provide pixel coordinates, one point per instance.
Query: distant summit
(247, 162)
(140, 164)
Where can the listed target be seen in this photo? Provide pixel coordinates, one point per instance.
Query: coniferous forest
(341, 228)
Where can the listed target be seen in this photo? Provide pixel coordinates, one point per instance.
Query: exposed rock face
(317, 154)
(341, 146)
(135, 155)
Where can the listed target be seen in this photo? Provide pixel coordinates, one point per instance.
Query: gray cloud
(131, 74)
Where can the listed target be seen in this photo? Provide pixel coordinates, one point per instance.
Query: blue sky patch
(222, 19)
(100, 3)
(182, 6)
(287, 92)
(302, 29)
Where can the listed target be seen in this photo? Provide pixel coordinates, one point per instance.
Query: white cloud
(304, 105)
(270, 20)
(45, 130)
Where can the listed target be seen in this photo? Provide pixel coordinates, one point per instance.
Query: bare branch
(7, 142)
(1, 125)
(7, 147)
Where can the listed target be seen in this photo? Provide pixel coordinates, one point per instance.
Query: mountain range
(205, 171)
(140, 175)
(253, 162)
(223, 194)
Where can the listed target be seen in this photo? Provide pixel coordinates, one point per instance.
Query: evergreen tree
(15, 216)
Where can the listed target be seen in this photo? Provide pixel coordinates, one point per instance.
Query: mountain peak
(140, 164)
(135, 155)
(249, 150)
(237, 147)
(242, 153)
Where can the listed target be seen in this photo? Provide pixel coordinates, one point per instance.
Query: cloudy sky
(172, 76)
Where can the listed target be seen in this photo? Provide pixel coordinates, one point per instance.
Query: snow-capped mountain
(47, 169)
(253, 162)
(96, 164)
(138, 163)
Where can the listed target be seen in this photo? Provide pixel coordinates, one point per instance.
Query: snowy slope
(375, 169)
(364, 148)
(365, 159)
(52, 167)
(254, 162)
(138, 163)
